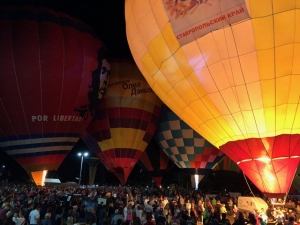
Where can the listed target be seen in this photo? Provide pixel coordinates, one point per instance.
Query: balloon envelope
(156, 162)
(228, 165)
(230, 73)
(185, 147)
(126, 121)
(50, 66)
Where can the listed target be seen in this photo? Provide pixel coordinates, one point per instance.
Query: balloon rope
(248, 184)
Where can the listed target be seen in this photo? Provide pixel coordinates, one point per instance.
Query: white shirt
(18, 221)
(34, 216)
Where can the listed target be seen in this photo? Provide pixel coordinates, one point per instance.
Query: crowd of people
(107, 205)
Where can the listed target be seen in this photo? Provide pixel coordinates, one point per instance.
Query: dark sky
(106, 17)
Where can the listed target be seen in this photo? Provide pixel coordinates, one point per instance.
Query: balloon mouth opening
(121, 173)
(39, 177)
(267, 159)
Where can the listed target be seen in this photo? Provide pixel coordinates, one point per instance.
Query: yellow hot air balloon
(230, 70)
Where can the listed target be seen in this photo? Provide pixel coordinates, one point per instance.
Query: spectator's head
(160, 211)
(92, 210)
(70, 220)
(148, 217)
(9, 214)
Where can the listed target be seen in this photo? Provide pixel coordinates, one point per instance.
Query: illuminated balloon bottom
(39, 177)
(121, 167)
(270, 163)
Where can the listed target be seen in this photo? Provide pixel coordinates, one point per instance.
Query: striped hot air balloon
(53, 73)
(229, 69)
(126, 121)
(184, 146)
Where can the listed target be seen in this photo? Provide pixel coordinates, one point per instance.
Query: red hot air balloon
(53, 74)
(126, 121)
(156, 162)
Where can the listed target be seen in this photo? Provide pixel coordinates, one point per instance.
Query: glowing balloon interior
(231, 73)
(53, 73)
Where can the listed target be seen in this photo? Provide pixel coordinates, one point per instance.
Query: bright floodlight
(82, 154)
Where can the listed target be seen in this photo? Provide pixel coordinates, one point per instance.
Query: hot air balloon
(184, 146)
(53, 75)
(156, 162)
(227, 164)
(126, 120)
(296, 180)
(229, 70)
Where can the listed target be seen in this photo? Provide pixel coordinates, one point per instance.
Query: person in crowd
(230, 206)
(240, 220)
(214, 202)
(101, 214)
(290, 214)
(160, 218)
(261, 221)
(148, 208)
(149, 220)
(139, 212)
(188, 207)
(223, 211)
(110, 209)
(117, 216)
(181, 201)
(34, 216)
(263, 215)
(129, 213)
(9, 216)
(47, 219)
(19, 218)
(217, 210)
(143, 218)
(137, 221)
(91, 213)
(290, 221)
(5, 208)
(82, 213)
(200, 210)
(251, 219)
(181, 219)
(70, 220)
(235, 211)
